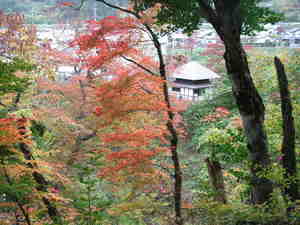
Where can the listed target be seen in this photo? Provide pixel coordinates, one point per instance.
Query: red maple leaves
(220, 112)
(11, 131)
(68, 4)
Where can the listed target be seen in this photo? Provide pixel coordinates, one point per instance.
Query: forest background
(34, 9)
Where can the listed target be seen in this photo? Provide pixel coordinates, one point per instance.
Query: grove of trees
(109, 146)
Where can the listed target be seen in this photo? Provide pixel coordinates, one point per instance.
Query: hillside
(42, 11)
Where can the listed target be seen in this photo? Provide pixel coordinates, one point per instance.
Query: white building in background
(65, 72)
(191, 80)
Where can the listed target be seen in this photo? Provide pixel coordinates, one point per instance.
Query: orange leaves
(68, 4)
(56, 198)
(149, 16)
(133, 139)
(108, 39)
(237, 123)
(187, 205)
(113, 25)
(130, 104)
(220, 112)
(136, 93)
(9, 132)
(131, 108)
(130, 157)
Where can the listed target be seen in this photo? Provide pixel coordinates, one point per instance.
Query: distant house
(291, 40)
(65, 72)
(190, 81)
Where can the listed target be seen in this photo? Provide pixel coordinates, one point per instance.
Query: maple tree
(20, 170)
(148, 92)
(81, 88)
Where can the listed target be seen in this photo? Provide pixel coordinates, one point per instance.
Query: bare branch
(207, 11)
(3, 104)
(139, 65)
(120, 8)
(80, 5)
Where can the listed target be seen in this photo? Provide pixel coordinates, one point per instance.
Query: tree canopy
(187, 15)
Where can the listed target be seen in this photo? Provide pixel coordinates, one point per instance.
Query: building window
(199, 91)
(196, 91)
(176, 89)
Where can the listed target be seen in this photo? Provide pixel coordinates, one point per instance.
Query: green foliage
(187, 15)
(255, 17)
(37, 128)
(9, 82)
(226, 145)
(220, 97)
(51, 12)
(290, 8)
(210, 212)
(87, 199)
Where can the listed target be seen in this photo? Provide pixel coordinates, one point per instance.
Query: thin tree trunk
(217, 180)
(252, 113)
(288, 143)
(172, 130)
(77, 146)
(173, 133)
(170, 125)
(38, 177)
(18, 202)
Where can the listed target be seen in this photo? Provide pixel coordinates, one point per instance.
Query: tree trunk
(172, 130)
(170, 126)
(17, 201)
(217, 180)
(38, 177)
(288, 142)
(250, 106)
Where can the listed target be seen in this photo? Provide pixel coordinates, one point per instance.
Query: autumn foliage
(131, 106)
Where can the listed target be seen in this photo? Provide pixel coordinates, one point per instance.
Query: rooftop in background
(194, 71)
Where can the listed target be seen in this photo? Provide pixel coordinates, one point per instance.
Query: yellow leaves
(18, 170)
(71, 214)
(56, 198)
(148, 16)
(8, 133)
(6, 221)
(61, 178)
(129, 207)
(13, 44)
(17, 38)
(50, 169)
(215, 136)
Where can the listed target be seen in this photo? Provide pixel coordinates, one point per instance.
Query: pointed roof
(194, 71)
